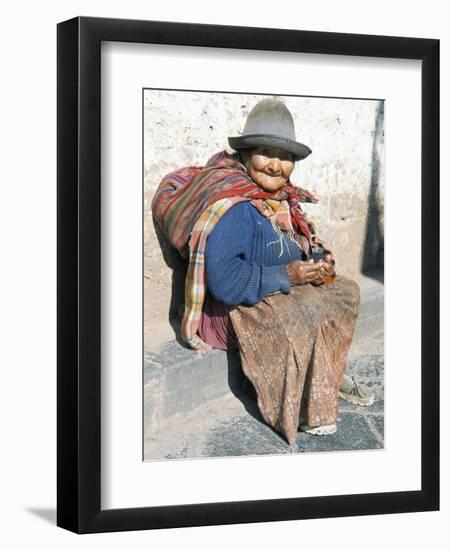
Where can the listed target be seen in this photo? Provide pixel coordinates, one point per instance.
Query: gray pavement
(217, 419)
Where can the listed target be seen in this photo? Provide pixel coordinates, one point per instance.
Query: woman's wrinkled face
(268, 167)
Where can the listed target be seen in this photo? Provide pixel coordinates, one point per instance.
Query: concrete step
(178, 381)
(232, 425)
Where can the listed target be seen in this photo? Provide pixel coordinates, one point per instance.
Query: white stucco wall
(346, 169)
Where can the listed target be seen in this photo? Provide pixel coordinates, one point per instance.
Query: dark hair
(245, 154)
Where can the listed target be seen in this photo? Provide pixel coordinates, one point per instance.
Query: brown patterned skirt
(294, 351)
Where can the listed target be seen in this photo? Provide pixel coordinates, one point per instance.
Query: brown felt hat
(270, 124)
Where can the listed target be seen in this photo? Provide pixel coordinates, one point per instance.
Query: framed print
(247, 323)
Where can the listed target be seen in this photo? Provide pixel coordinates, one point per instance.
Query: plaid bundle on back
(189, 203)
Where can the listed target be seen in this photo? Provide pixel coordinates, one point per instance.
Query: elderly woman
(259, 280)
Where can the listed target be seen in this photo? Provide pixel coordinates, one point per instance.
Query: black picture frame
(79, 275)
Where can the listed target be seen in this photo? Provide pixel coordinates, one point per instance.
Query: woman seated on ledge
(259, 279)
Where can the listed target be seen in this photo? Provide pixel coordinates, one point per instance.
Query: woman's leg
(294, 350)
(340, 305)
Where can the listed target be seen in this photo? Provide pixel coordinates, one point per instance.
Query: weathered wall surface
(346, 170)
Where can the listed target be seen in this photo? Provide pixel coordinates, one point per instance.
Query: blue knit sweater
(244, 258)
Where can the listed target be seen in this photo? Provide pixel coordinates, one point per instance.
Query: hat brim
(299, 150)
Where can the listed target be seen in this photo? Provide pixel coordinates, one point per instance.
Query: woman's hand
(329, 258)
(326, 271)
(302, 273)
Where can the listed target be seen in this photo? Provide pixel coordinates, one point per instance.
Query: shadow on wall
(179, 266)
(373, 249)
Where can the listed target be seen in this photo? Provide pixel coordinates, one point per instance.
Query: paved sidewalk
(232, 425)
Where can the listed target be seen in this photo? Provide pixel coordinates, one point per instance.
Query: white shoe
(352, 392)
(326, 429)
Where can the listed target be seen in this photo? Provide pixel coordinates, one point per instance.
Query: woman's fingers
(319, 274)
(329, 269)
(300, 272)
(313, 272)
(305, 267)
(311, 275)
(311, 268)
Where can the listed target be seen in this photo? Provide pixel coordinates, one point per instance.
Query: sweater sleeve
(231, 277)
